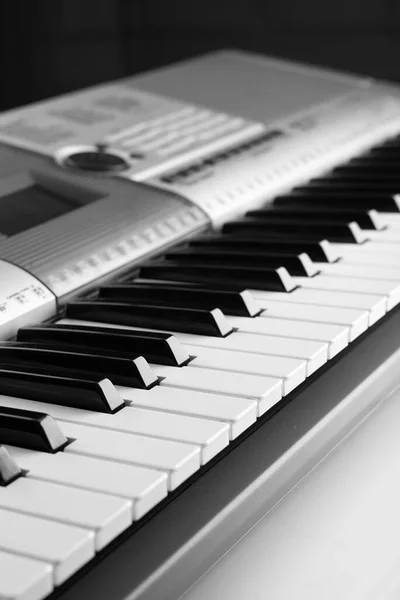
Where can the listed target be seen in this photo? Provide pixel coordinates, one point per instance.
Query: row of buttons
(199, 128)
(205, 164)
(195, 128)
(176, 115)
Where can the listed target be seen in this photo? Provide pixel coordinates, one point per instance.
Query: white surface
(23, 578)
(382, 251)
(346, 268)
(211, 436)
(333, 536)
(354, 318)
(316, 353)
(387, 260)
(177, 459)
(394, 222)
(267, 391)
(375, 304)
(240, 413)
(66, 547)
(23, 298)
(348, 284)
(383, 237)
(144, 487)
(105, 515)
(291, 370)
(337, 336)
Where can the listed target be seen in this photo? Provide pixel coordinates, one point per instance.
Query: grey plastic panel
(129, 222)
(249, 85)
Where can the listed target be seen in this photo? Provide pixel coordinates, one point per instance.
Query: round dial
(97, 160)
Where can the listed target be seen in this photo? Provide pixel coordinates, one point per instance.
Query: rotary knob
(98, 160)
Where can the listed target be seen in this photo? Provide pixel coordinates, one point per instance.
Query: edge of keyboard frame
(164, 554)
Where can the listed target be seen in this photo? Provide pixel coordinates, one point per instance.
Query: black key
(135, 373)
(391, 157)
(339, 199)
(99, 395)
(296, 265)
(391, 143)
(384, 153)
(29, 429)
(369, 187)
(366, 219)
(368, 161)
(186, 320)
(159, 348)
(369, 169)
(383, 159)
(9, 470)
(230, 302)
(283, 228)
(321, 251)
(227, 277)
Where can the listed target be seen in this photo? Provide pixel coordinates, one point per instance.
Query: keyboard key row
(210, 436)
(315, 353)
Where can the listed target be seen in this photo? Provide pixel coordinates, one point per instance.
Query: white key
(383, 237)
(376, 305)
(316, 353)
(356, 319)
(65, 547)
(291, 370)
(24, 578)
(382, 287)
(392, 220)
(239, 413)
(372, 251)
(337, 336)
(211, 436)
(267, 391)
(391, 217)
(373, 259)
(143, 487)
(106, 515)
(394, 226)
(346, 268)
(177, 459)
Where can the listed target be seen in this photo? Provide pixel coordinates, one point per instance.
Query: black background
(48, 47)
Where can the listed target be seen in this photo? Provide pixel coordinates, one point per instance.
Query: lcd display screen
(32, 206)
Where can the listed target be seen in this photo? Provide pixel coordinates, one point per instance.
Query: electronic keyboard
(200, 281)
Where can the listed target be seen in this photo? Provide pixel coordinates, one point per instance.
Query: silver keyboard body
(205, 140)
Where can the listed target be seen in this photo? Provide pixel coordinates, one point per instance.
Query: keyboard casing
(162, 555)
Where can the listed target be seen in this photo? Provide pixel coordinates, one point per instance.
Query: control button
(136, 155)
(98, 160)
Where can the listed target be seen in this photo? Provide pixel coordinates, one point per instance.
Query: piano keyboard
(139, 385)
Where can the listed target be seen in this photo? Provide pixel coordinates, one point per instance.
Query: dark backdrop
(52, 46)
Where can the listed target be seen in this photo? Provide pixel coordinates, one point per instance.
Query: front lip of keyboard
(132, 567)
